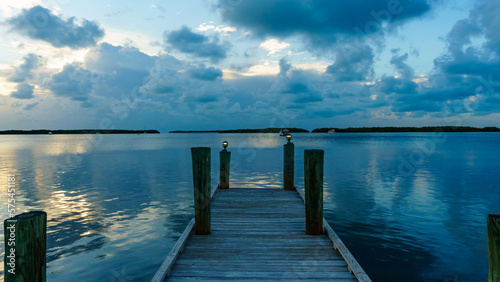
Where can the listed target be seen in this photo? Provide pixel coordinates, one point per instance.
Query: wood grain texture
(353, 264)
(29, 232)
(254, 239)
(201, 184)
(166, 266)
(225, 164)
(313, 182)
(288, 166)
(494, 247)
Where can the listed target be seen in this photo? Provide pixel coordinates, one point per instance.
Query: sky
(226, 64)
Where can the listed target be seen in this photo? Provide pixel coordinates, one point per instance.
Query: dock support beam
(201, 183)
(494, 247)
(313, 181)
(225, 160)
(288, 166)
(25, 247)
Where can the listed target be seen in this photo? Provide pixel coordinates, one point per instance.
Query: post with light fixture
(201, 184)
(25, 247)
(288, 164)
(225, 160)
(313, 182)
(493, 221)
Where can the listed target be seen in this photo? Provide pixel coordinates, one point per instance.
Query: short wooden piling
(313, 182)
(225, 160)
(288, 166)
(201, 184)
(25, 247)
(494, 247)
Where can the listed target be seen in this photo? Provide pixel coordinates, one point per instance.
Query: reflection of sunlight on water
(132, 195)
(256, 180)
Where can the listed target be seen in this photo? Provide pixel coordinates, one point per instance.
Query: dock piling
(288, 165)
(201, 184)
(313, 182)
(25, 247)
(494, 247)
(225, 160)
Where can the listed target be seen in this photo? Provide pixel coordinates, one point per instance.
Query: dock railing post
(288, 164)
(201, 184)
(25, 247)
(225, 160)
(313, 182)
(494, 247)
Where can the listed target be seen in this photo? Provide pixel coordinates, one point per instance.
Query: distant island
(262, 130)
(352, 129)
(78, 131)
(408, 129)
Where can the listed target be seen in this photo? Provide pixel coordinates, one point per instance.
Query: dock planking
(259, 234)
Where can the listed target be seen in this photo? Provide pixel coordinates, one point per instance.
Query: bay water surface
(409, 206)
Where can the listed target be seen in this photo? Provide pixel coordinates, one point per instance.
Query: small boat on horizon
(331, 131)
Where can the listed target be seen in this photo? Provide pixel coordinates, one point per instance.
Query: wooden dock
(259, 234)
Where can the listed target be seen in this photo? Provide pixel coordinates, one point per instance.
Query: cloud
(41, 24)
(203, 73)
(273, 46)
(320, 21)
(198, 45)
(284, 66)
(25, 71)
(118, 69)
(74, 82)
(353, 65)
(24, 91)
(31, 106)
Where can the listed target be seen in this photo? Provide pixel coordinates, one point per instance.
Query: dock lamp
(289, 137)
(224, 145)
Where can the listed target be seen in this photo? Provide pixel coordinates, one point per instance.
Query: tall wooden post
(25, 247)
(225, 160)
(201, 183)
(494, 247)
(288, 166)
(313, 180)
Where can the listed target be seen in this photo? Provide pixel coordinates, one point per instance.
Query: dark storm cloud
(355, 66)
(74, 82)
(485, 14)
(25, 71)
(319, 20)
(196, 44)
(202, 72)
(469, 73)
(24, 91)
(40, 23)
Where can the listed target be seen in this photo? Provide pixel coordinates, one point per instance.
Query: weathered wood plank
(174, 253)
(493, 223)
(353, 264)
(201, 184)
(25, 247)
(259, 235)
(224, 160)
(288, 166)
(166, 266)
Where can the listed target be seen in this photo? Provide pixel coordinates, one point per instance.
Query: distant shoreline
(259, 130)
(77, 131)
(354, 130)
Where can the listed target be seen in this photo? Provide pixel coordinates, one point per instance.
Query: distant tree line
(261, 130)
(409, 129)
(79, 131)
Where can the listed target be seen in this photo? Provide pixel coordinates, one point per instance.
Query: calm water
(410, 206)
